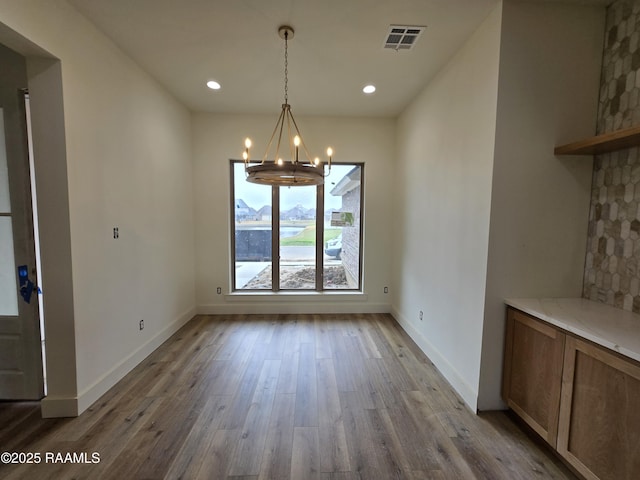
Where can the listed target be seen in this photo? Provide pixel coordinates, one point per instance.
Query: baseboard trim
(59, 407)
(468, 394)
(72, 407)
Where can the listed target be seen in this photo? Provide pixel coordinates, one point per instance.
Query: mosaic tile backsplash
(620, 79)
(612, 264)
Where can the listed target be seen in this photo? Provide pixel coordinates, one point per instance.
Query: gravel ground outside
(300, 278)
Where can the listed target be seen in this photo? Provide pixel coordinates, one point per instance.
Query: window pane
(5, 206)
(8, 284)
(298, 238)
(342, 198)
(252, 213)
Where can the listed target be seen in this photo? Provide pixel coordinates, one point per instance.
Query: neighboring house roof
(350, 181)
(298, 212)
(243, 209)
(240, 203)
(265, 210)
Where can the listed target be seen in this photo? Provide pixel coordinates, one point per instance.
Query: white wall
(501, 220)
(443, 192)
(548, 93)
(219, 137)
(127, 155)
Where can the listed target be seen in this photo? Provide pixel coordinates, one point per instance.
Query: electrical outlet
(386, 289)
(116, 232)
(421, 315)
(141, 324)
(219, 290)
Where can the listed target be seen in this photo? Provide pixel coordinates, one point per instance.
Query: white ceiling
(337, 49)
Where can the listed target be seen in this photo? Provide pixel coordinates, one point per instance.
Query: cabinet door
(533, 372)
(599, 430)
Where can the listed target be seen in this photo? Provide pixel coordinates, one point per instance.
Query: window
(316, 232)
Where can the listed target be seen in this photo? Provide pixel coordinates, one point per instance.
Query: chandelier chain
(286, 68)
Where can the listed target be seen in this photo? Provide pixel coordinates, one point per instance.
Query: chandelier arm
(291, 147)
(281, 120)
(304, 146)
(278, 123)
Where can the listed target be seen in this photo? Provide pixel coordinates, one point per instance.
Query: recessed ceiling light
(213, 85)
(369, 89)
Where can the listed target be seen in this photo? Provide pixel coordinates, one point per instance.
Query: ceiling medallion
(296, 171)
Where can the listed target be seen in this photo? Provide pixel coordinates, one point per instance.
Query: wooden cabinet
(599, 429)
(583, 399)
(533, 372)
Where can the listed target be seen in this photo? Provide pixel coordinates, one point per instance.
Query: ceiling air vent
(402, 37)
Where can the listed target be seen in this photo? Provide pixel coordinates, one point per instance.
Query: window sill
(289, 296)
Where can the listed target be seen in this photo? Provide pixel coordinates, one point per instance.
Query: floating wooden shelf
(608, 142)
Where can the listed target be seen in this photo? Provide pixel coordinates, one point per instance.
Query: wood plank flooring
(302, 397)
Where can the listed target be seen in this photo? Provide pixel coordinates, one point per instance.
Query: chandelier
(286, 134)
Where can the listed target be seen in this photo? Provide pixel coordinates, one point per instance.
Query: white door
(21, 374)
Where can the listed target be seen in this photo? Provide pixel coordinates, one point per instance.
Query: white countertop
(605, 325)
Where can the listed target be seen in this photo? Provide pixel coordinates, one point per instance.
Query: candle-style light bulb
(296, 142)
(316, 161)
(329, 154)
(280, 161)
(247, 146)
